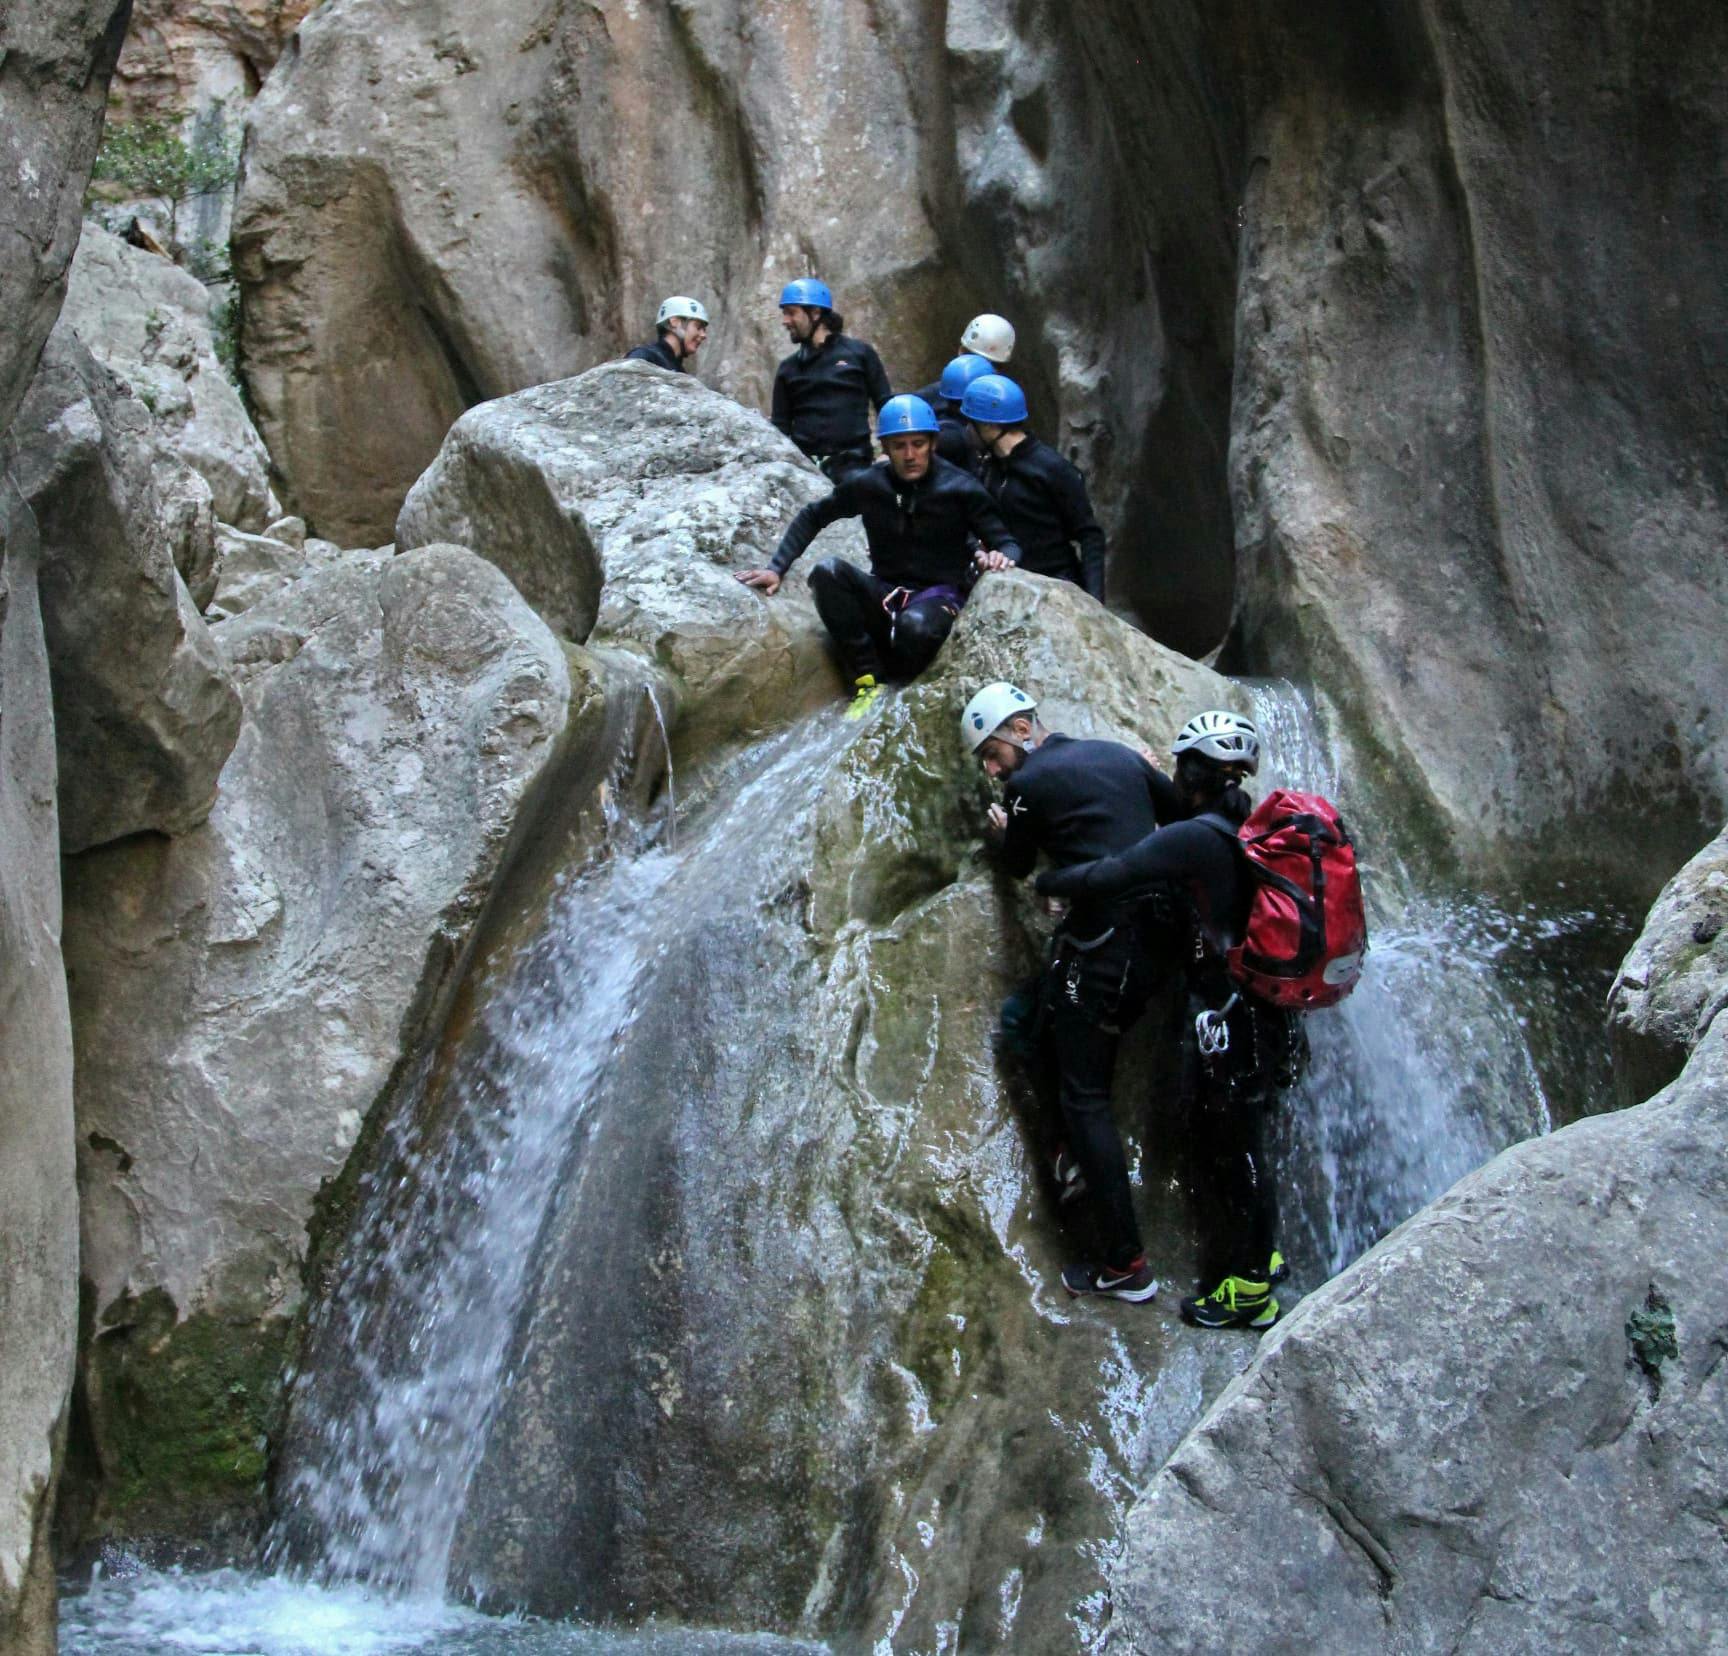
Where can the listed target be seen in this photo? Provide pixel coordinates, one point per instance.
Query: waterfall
(1427, 1070)
(411, 1350)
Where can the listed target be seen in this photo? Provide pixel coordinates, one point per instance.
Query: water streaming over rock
(1426, 1070)
(412, 1347)
(637, 1293)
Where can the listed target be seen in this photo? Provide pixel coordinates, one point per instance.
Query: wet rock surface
(150, 323)
(1674, 981)
(142, 729)
(1497, 1430)
(268, 971)
(793, 1355)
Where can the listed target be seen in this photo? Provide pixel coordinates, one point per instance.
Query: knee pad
(829, 572)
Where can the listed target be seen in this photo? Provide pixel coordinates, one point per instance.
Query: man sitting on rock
(1232, 1077)
(1041, 494)
(1076, 801)
(824, 391)
(920, 514)
(680, 330)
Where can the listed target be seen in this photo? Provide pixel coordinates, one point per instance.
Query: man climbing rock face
(1041, 495)
(1076, 801)
(681, 328)
(825, 390)
(1238, 1051)
(918, 512)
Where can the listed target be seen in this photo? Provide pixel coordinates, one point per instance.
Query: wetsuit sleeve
(876, 377)
(781, 411)
(1079, 525)
(1166, 854)
(1020, 844)
(985, 521)
(810, 522)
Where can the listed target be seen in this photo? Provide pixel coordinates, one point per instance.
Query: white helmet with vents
(680, 306)
(989, 710)
(1224, 738)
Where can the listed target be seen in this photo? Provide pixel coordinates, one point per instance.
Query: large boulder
(145, 713)
(38, 1198)
(622, 504)
(151, 323)
(55, 60)
(607, 157)
(243, 995)
(1501, 1430)
(1674, 980)
(796, 1252)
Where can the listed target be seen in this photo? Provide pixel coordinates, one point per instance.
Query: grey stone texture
(55, 60)
(149, 322)
(622, 504)
(38, 1199)
(1674, 979)
(145, 713)
(269, 970)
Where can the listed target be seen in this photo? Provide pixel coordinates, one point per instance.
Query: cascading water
(415, 1342)
(516, 1172)
(1425, 1071)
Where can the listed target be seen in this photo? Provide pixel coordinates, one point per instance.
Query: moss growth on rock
(184, 1412)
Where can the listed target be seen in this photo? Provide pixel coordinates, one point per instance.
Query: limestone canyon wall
(55, 59)
(1392, 335)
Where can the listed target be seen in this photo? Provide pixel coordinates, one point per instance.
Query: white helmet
(989, 710)
(679, 306)
(1226, 738)
(989, 336)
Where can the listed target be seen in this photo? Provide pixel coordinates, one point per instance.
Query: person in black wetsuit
(955, 442)
(920, 513)
(1239, 1052)
(679, 332)
(1042, 495)
(824, 392)
(1077, 801)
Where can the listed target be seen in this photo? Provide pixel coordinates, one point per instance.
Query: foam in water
(235, 1613)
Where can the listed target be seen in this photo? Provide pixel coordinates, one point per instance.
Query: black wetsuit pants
(1092, 993)
(1233, 1096)
(873, 633)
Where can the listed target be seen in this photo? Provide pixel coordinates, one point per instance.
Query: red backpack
(1307, 931)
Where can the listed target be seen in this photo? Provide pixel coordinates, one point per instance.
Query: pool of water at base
(237, 1613)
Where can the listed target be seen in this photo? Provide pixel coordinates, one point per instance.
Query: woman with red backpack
(1273, 907)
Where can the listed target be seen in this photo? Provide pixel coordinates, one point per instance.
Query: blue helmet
(806, 290)
(994, 399)
(905, 414)
(961, 372)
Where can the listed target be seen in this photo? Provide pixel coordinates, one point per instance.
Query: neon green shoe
(869, 692)
(1276, 1269)
(1237, 1302)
